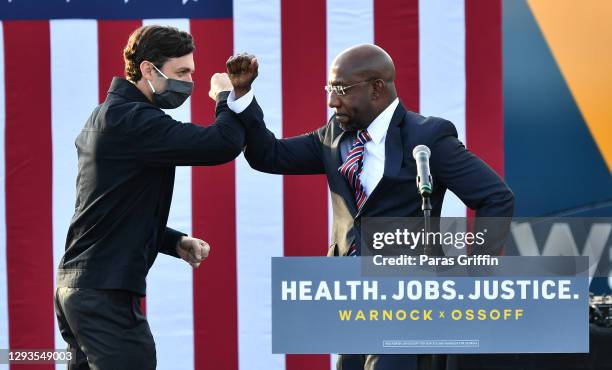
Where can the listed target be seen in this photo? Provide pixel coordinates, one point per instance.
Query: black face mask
(174, 95)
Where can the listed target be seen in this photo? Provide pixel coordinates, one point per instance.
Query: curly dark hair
(155, 44)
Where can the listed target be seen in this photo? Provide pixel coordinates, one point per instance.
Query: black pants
(105, 329)
(391, 362)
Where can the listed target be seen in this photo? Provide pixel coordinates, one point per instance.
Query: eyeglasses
(341, 90)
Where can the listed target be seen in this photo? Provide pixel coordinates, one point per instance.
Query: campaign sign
(327, 305)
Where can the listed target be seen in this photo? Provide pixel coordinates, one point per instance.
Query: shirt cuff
(237, 106)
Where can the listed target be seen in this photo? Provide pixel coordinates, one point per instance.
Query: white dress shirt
(374, 152)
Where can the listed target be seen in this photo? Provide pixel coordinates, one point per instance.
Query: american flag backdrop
(57, 58)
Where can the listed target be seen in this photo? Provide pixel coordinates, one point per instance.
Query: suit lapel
(394, 148)
(335, 148)
(344, 188)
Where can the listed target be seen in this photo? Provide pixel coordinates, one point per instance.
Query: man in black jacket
(127, 154)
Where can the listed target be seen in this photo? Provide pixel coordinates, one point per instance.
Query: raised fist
(219, 82)
(242, 71)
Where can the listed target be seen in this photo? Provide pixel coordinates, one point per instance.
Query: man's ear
(146, 70)
(377, 89)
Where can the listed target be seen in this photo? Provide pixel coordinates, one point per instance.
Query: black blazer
(452, 166)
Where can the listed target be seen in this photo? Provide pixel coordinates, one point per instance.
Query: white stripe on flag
(348, 23)
(170, 281)
(74, 94)
(442, 71)
(259, 196)
(4, 339)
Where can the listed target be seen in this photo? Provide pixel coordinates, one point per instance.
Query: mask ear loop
(158, 71)
(151, 86)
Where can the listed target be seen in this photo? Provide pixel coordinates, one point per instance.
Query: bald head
(366, 73)
(366, 61)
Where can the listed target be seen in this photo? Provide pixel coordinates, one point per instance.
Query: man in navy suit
(366, 152)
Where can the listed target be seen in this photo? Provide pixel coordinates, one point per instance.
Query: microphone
(421, 154)
(424, 182)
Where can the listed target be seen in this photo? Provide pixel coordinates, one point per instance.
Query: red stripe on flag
(29, 227)
(484, 95)
(112, 38)
(214, 216)
(304, 109)
(396, 29)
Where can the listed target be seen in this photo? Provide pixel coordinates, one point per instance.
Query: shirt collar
(128, 90)
(378, 128)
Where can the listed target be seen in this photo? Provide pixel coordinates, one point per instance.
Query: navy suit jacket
(452, 166)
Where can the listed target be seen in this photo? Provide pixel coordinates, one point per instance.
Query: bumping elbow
(235, 150)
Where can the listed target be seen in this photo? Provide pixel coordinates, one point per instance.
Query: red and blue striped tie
(351, 169)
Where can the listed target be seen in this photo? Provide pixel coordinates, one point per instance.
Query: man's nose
(333, 101)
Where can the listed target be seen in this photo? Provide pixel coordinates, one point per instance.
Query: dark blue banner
(114, 9)
(327, 305)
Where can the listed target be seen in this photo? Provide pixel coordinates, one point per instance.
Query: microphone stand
(426, 208)
(437, 361)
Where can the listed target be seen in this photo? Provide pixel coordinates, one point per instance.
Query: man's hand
(242, 70)
(192, 250)
(219, 82)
